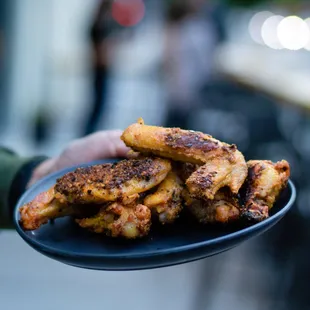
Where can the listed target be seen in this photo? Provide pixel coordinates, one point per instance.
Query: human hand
(100, 145)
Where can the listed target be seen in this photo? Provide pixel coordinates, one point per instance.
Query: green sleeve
(10, 166)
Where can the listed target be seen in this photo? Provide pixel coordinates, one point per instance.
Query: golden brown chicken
(192, 147)
(94, 185)
(118, 199)
(175, 143)
(118, 220)
(43, 208)
(263, 185)
(166, 201)
(50, 205)
(218, 172)
(111, 182)
(224, 208)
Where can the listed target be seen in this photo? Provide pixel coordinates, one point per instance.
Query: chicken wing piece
(224, 208)
(117, 220)
(175, 143)
(263, 185)
(196, 148)
(217, 173)
(111, 182)
(50, 205)
(43, 208)
(166, 201)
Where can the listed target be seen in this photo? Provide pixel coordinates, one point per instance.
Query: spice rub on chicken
(196, 148)
(262, 187)
(166, 202)
(224, 208)
(91, 186)
(168, 169)
(111, 182)
(118, 220)
(42, 208)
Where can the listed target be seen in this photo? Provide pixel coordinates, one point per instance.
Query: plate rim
(214, 241)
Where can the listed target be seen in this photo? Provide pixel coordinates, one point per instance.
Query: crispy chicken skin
(50, 205)
(175, 143)
(166, 201)
(111, 182)
(192, 147)
(224, 208)
(94, 185)
(118, 220)
(217, 173)
(43, 208)
(263, 185)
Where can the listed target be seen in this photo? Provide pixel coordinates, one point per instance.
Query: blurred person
(189, 46)
(17, 173)
(102, 35)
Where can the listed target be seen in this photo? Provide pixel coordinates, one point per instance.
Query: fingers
(97, 146)
(100, 145)
(111, 144)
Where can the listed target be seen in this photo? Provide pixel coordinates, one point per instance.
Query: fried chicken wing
(43, 208)
(94, 185)
(111, 182)
(224, 208)
(192, 169)
(217, 173)
(192, 147)
(117, 220)
(166, 201)
(50, 205)
(263, 185)
(175, 143)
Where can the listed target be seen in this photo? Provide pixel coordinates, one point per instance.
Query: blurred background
(238, 70)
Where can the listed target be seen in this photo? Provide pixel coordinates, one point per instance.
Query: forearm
(15, 172)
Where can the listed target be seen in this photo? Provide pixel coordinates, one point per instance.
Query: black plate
(183, 242)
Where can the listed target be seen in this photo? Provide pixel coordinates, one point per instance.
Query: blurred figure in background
(189, 45)
(102, 33)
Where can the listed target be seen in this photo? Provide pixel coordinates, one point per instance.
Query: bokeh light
(256, 24)
(293, 33)
(307, 46)
(269, 31)
(128, 12)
